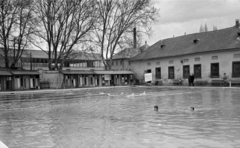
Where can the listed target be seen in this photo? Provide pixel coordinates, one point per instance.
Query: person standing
(225, 81)
(192, 79)
(189, 79)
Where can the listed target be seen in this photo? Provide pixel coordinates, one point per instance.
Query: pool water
(122, 118)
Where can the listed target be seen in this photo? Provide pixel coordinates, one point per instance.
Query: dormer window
(238, 33)
(162, 46)
(196, 40)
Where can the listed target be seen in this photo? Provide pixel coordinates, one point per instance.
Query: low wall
(55, 78)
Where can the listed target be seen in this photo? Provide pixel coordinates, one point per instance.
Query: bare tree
(116, 20)
(205, 28)
(16, 28)
(64, 24)
(201, 29)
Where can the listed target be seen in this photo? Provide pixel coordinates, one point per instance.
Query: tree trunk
(50, 65)
(6, 61)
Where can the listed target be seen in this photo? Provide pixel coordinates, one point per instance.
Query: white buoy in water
(131, 95)
(2, 145)
(143, 93)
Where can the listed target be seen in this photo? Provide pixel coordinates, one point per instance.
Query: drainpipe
(30, 61)
(134, 38)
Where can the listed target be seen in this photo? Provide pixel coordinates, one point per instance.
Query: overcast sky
(180, 16)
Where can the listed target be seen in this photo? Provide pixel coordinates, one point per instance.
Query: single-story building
(18, 79)
(74, 78)
(208, 55)
(86, 78)
(25, 79)
(5, 80)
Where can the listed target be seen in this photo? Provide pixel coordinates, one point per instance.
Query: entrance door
(186, 71)
(9, 83)
(112, 83)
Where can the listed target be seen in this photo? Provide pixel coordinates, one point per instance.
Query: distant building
(208, 55)
(38, 59)
(121, 59)
(18, 79)
(33, 68)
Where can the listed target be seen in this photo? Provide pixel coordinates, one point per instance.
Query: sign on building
(148, 77)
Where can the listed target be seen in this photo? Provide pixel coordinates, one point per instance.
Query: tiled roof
(8, 72)
(35, 53)
(76, 55)
(206, 41)
(129, 52)
(74, 72)
(85, 56)
(24, 72)
(112, 72)
(5, 73)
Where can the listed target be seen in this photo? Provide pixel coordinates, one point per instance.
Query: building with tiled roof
(121, 59)
(18, 79)
(207, 55)
(38, 59)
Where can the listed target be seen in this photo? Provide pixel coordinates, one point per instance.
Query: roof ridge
(198, 33)
(209, 41)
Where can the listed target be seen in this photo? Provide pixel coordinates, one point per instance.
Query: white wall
(225, 59)
(54, 77)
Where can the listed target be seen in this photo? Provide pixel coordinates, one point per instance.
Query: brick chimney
(134, 38)
(237, 23)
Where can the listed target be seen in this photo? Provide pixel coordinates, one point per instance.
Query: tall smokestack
(237, 23)
(134, 38)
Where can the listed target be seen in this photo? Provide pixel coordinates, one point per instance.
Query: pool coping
(74, 89)
(54, 90)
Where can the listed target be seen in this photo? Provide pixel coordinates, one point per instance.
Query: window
(236, 56)
(171, 62)
(149, 64)
(185, 60)
(21, 81)
(116, 62)
(236, 69)
(197, 59)
(158, 73)
(197, 71)
(24, 82)
(186, 70)
(171, 72)
(129, 63)
(214, 57)
(121, 62)
(214, 70)
(157, 63)
(148, 71)
(89, 63)
(67, 64)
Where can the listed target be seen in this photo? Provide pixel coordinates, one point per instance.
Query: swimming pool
(122, 117)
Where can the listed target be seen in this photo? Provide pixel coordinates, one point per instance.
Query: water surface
(122, 118)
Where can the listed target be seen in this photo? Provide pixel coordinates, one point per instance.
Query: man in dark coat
(189, 79)
(192, 79)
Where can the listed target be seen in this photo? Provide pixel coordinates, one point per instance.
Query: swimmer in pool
(192, 108)
(156, 108)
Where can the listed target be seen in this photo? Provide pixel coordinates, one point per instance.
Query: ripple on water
(91, 118)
